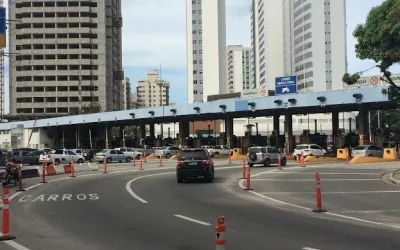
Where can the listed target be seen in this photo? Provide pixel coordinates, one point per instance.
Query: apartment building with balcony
(239, 68)
(64, 55)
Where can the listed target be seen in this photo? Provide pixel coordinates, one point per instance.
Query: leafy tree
(379, 40)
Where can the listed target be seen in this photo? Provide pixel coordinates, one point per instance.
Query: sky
(154, 33)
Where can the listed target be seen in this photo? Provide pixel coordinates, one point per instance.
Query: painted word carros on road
(58, 197)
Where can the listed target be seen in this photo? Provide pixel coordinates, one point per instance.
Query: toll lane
(251, 224)
(98, 212)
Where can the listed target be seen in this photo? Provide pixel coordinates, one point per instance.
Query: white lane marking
(14, 244)
(309, 248)
(193, 220)
(137, 197)
(369, 211)
(133, 194)
(335, 192)
(310, 209)
(323, 180)
(17, 246)
(322, 173)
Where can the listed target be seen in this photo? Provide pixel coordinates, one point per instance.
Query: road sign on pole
(3, 27)
(285, 85)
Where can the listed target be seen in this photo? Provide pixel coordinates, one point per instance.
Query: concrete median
(395, 177)
(64, 169)
(367, 159)
(320, 159)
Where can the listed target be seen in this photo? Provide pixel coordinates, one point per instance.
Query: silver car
(367, 150)
(112, 155)
(265, 156)
(167, 152)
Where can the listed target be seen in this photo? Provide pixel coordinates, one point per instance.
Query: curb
(394, 180)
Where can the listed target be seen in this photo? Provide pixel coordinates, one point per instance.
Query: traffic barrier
(151, 156)
(318, 193)
(311, 158)
(390, 154)
(366, 159)
(72, 168)
(105, 166)
(220, 234)
(134, 162)
(341, 153)
(44, 172)
(244, 170)
(347, 157)
(67, 168)
(160, 163)
(47, 170)
(302, 160)
(6, 216)
(237, 155)
(93, 167)
(59, 169)
(279, 162)
(141, 164)
(20, 185)
(248, 181)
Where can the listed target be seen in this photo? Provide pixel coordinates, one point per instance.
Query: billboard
(285, 85)
(3, 28)
(365, 81)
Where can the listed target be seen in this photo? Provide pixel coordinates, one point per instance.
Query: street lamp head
(252, 105)
(223, 107)
(151, 113)
(173, 112)
(197, 109)
(132, 115)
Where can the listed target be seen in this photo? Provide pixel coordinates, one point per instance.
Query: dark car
(194, 163)
(26, 157)
(89, 154)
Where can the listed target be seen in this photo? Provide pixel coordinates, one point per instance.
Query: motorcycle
(8, 180)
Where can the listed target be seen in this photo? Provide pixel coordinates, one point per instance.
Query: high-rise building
(318, 43)
(206, 48)
(64, 55)
(266, 42)
(134, 101)
(239, 60)
(296, 37)
(126, 94)
(152, 91)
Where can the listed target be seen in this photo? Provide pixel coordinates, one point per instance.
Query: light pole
(161, 85)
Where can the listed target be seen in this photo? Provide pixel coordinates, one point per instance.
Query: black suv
(195, 163)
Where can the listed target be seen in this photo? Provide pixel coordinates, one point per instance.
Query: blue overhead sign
(285, 85)
(3, 28)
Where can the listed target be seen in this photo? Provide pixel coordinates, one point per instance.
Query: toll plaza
(93, 130)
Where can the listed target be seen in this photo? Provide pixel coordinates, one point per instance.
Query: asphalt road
(132, 210)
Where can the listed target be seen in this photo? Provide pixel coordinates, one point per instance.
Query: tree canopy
(379, 40)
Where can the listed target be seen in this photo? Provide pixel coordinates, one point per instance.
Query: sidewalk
(395, 177)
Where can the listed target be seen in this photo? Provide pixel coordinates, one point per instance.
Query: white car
(43, 157)
(130, 152)
(309, 150)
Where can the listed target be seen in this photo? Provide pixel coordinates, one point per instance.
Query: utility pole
(2, 67)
